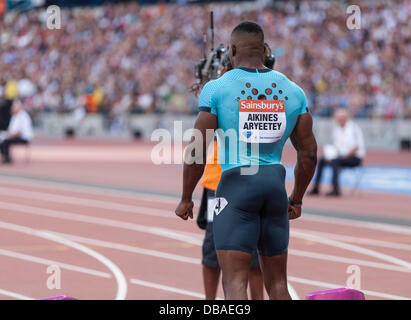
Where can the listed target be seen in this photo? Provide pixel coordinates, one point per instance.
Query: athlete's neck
(250, 64)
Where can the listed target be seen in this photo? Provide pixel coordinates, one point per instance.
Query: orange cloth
(212, 173)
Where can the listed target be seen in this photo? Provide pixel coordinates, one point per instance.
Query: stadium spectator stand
(117, 59)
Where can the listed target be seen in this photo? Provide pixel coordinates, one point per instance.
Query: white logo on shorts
(219, 205)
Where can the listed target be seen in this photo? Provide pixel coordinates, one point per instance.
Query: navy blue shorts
(252, 211)
(209, 251)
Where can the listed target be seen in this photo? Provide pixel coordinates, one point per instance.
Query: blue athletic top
(256, 110)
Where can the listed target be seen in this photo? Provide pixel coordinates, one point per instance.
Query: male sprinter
(211, 268)
(210, 179)
(264, 108)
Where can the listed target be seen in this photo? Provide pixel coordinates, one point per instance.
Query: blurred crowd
(126, 58)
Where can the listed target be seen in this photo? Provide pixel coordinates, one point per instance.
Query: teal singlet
(254, 107)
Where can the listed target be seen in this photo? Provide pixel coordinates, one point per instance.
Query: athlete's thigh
(234, 263)
(236, 216)
(274, 223)
(274, 270)
(236, 230)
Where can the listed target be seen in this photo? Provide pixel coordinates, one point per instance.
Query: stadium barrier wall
(378, 133)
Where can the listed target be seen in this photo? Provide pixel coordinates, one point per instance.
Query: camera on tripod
(211, 66)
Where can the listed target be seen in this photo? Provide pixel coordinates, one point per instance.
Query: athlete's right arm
(304, 142)
(195, 154)
(194, 161)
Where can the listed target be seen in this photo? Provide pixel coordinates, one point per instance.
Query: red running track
(103, 214)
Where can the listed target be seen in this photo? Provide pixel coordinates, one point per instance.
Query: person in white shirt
(347, 150)
(20, 130)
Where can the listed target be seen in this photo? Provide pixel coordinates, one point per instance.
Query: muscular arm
(194, 162)
(304, 142)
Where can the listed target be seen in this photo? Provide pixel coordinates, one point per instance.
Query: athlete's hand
(294, 212)
(185, 209)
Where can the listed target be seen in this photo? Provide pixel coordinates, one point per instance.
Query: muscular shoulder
(294, 93)
(211, 87)
(290, 85)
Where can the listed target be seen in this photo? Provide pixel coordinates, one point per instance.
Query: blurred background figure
(347, 150)
(20, 130)
(7, 95)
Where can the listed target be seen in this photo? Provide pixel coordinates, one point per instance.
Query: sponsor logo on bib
(261, 121)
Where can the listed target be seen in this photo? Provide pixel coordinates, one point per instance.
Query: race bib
(261, 121)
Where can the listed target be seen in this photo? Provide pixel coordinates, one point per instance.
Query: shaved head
(248, 28)
(247, 43)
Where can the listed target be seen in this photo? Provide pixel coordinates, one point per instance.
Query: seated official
(347, 150)
(20, 130)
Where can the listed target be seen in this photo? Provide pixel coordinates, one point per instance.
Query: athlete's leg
(235, 235)
(211, 268)
(235, 266)
(255, 280)
(274, 235)
(236, 229)
(275, 276)
(211, 278)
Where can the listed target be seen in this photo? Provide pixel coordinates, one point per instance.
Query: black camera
(210, 67)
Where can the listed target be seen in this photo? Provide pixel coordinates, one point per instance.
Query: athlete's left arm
(195, 156)
(304, 142)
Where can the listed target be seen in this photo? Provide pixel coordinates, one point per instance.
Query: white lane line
(165, 255)
(321, 284)
(172, 200)
(366, 263)
(93, 190)
(350, 247)
(58, 214)
(176, 235)
(14, 295)
(184, 259)
(377, 226)
(166, 214)
(47, 262)
(294, 295)
(358, 240)
(358, 224)
(180, 258)
(83, 202)
(28, 181)
(167, 288)
(154, 253)
(114, 223)
(131, 249)
(45, 196)
(118, 274)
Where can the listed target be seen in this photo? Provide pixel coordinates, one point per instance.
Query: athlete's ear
(231, 54)
(233, 50)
